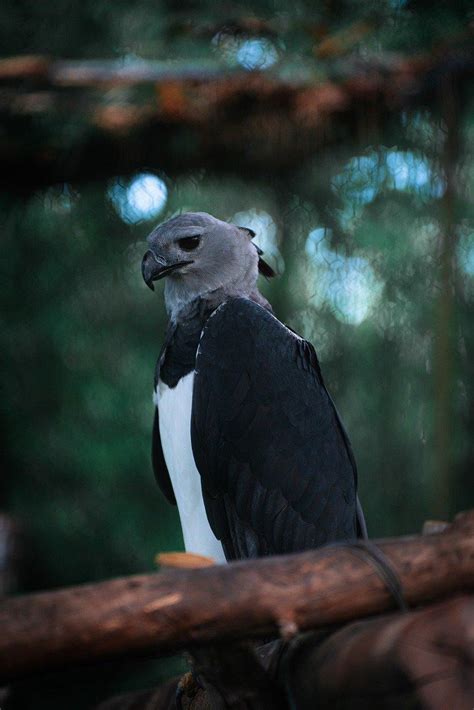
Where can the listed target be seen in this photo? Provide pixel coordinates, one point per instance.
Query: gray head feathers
(203, 257)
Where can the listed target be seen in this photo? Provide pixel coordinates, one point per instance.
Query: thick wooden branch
(178, 609)
(426, 657)
(72, 121)
(419, 659)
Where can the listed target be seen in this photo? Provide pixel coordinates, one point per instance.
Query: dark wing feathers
(277, 473)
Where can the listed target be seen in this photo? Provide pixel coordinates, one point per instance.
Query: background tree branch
(76, 121)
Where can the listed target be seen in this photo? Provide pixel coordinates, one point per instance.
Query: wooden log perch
(72, 121)
(418, 659)
(180, 609)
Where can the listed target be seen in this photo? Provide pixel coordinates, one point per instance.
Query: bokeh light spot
(266, 234)
(251, 53)
(256, 54)
(465, 252)
(143, 198)
(348, 284)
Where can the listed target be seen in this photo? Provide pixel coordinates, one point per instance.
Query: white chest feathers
(174, 407)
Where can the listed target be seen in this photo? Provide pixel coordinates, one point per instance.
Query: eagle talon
(188, 686)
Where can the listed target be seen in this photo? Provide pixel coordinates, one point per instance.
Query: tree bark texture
(418, 659)
(181, 609)
(421, 659)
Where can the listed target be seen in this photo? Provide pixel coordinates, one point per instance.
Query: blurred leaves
(80, 348)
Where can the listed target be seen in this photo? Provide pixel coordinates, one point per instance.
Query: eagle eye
(189, 243)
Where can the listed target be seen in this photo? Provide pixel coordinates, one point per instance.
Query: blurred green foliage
(357, 239)
(81, 333)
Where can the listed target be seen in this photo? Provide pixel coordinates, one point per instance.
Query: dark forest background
(375, 251)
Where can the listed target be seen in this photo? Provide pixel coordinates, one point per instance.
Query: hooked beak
(154, 267)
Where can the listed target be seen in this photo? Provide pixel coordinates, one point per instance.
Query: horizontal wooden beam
(420, 658)
(75, 121)
(180, 608)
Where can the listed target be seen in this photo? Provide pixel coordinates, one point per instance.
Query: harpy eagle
(246, 439)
